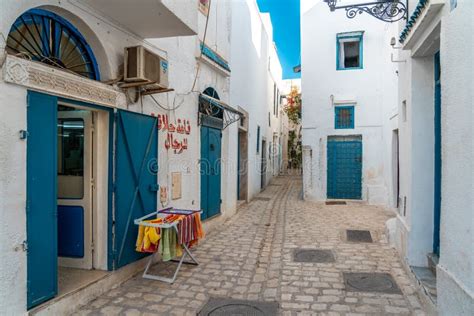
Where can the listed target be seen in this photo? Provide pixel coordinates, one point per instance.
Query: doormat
(371, 282)
(275, 184)
(358, 235)
(225, 306)
(336, 203)
(262, 199)
(313, 255)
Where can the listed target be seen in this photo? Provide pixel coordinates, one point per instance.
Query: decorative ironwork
(384, 10)
(215, 110)
(46, 37)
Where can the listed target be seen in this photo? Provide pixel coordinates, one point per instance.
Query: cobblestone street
(251, 257)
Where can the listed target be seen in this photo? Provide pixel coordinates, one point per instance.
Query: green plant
(293, 106)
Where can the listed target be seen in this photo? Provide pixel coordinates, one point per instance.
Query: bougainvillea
(293, 106)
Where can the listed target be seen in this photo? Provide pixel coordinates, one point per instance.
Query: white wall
(369, 88)
(455, 273)
(108, 41)
(252, 81)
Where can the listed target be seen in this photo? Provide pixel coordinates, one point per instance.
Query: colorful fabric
(189, 232)
(148, 237)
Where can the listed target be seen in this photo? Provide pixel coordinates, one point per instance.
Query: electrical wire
(175, 107)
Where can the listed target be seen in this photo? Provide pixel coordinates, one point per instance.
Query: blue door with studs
(136, 182)
(41, 201)
(210, 171)
(344, 167)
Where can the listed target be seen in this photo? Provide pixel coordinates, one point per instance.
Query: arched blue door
(210, 171)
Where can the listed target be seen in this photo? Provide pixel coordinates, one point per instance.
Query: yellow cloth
(148, 237)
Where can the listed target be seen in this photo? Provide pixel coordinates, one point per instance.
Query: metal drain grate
(371, 282)
(358, 235)
(313, 255)
(336, 203)
(224, 307)
(262, 199)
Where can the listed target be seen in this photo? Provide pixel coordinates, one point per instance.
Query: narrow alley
(253, 257)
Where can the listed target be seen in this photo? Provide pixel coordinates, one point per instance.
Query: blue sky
(285, 15)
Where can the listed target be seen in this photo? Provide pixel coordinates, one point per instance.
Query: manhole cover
(313, 255)
(358, 235)
(336, 203)
(262, 199)
(371, 282)
(224, 306)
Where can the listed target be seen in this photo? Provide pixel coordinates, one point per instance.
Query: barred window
(344, 117)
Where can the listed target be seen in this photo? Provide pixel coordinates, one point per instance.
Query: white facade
(324, 87)
(398, 89)
(108, 31)
(446, 28)
(255, 86)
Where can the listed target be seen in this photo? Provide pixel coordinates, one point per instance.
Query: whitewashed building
(256, 87)
(412, 110)
(435, 220)
(347, 92)
(81, 143)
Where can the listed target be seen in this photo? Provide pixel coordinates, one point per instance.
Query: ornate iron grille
(46, 37)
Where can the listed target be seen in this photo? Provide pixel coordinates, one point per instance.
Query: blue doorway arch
(46, 37)
(210, 163)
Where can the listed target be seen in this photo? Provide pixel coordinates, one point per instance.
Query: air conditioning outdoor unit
(143, 66)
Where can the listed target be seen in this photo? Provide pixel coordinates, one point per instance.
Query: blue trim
(209, 53)
(437, 155)
(337, 123)
(361, 49)
(37, 16)
(41, 198)
(412, 20)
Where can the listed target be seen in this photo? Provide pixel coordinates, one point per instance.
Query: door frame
(103, 195)
(437, 155)
(263, 165)
(86, 202)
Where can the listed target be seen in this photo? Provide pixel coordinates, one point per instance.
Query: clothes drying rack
(174, 225)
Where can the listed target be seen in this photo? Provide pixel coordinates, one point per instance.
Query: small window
(71, 158)
(349, 50)
(344, 117)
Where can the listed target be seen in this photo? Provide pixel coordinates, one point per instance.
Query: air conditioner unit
(143, 66)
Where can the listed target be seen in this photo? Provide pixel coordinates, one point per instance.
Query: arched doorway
(63, 206)
(211, 139)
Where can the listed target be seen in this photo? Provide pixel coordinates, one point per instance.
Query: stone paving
(251, 257)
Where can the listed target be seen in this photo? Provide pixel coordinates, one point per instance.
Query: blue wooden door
(344, 168)
(136, 184)
(41, 205)
(210, 171)
(437, 151)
